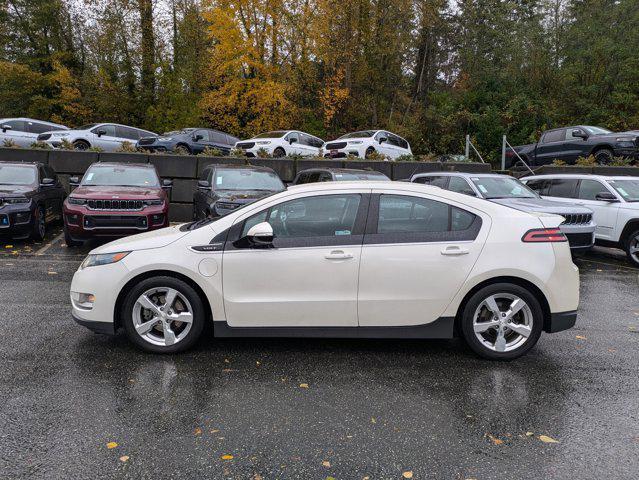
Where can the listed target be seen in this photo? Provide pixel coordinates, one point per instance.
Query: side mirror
(74, 181)
(47, 182)
(382, 140)
(166, 184)
(606, 197)
(197, 138)
(6, 127)
(579, 134)
(260, 234)
(101, 132)
(203, 184)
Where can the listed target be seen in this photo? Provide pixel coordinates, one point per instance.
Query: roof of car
(34, 164)
(462, 174)
(257, 168)
(26, 119)
(124, 164)
(580, 176)
(339, 170)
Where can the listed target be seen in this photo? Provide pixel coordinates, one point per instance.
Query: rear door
(417, 252)
(219, 140)
(551, 147)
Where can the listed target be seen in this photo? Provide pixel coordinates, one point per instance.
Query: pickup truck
(569, 143)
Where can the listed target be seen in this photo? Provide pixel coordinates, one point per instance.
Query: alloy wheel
(633, 249)
(162, 316)
(503, 322)
(42, 228)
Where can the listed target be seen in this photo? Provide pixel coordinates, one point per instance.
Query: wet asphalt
(312, 409)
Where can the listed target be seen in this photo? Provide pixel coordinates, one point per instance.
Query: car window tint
(436, 181)
(325, 177)
(231, 140)
(127, 132)
(539, 186)
(303, 178)
(403, 214)
(35, 127)
(589, 189)
(217, 137)
(109, 130)
(313, 177)
(460, 185)
(562, 187)
(206, 173)
(570, 131)
(16, 125)
(202, 133)
(460, 219)
(252, 221)
(554, 136)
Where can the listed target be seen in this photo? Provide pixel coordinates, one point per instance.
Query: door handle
(338, 255)
(454, 250)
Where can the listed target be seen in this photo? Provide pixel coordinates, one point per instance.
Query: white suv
(280, 143)
(365, 143)
(613, 199)
(108, 137)
(23, 132)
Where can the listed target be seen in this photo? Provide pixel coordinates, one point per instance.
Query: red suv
(114, 200)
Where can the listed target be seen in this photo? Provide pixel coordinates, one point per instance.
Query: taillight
(544, 235)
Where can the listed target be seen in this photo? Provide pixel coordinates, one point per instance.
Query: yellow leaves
(494, 440)
(326, 464)
(303, 385)
(333, 95)
(227, 457)
(124, 458)
(408, 474)
(8, 246)
(197, 431)
(580, 337)
(529, 434)
(547, 439)
(111, 445)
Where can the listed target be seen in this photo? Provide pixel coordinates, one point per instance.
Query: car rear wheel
(279, 152)
(182, 150)
(502, 321)
(80, 145)
(370, 151)
(39, 225)
(163, 315)
(604, 156)
(632, 248)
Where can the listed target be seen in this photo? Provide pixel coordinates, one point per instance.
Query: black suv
(313, 175)
(31, 197)
(223, 188)
(189, 141)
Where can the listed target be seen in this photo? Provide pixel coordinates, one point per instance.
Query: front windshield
(17, 175)
(274, 134)
(87, 127)
(502, 187)
(120, 176)
(246, 179)
(628, 189)
(360, 176)
(597, 130)
(360, 134)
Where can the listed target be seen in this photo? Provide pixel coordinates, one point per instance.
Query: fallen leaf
(8, 246)
(226, 360)
(214, 431)
(303, 385)
(258, 363)
(124, 458)
(580, 337)
(227, 457)
(198, 431)
(111, 445)
(529, 434)
(330, 478)
(50, 272)
(408, 474)
(326, 464)
(495, 440)
(547, 439)
(612, 350)
(373, 420)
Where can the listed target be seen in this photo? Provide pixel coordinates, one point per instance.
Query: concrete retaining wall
(184, 170)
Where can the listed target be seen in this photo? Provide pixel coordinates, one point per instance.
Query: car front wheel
(39, 225)
(163, 315)
(632, 248)
(502, 321)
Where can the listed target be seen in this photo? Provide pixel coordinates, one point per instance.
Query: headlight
(60, 134)
(165, 139)
(16, 200)
(624, 139)
(356, 142)
(103, 259)
(263, 143)
(155, 201)
(76, 201)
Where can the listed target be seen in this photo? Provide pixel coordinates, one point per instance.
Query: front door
(417, 253)
(604, 213)
(309, 277)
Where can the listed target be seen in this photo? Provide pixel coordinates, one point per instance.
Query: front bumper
(16, 220)
(83, 223)
(348, 150)
(560, 321)
(106, 328)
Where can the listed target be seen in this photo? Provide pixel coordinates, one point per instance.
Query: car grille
(245, 145)
(44, 136)
(147, 141)
(137, 222)
(577, 218)
(579, 239)
(130, 205)
(335, 146)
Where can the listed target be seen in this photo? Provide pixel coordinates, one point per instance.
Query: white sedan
(343, 259)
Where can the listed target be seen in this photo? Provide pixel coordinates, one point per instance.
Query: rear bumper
(560, 321)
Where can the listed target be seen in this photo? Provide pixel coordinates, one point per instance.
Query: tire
(182, 150)
(69, 240)
(604, 156)
(39, 224)
(514, 344)
(369, 151)
(184, 334)
(279, 152)
(81, 145)
(632, 248)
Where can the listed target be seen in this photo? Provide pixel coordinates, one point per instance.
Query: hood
(541, 205)
(244, 196)
(15, 190)
(124, 193)
(143, 241)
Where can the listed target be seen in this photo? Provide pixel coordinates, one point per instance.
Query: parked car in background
(189, 141)
(366, 143)
(569, 143)
(578, 225)
(339, 259)
(280, 143)
(114, 200)
(224, 188)
(313, 175)
(108, 137)
(31, 197)
(613, 199)
(24, 132)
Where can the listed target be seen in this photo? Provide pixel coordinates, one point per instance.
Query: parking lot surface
(78, 405)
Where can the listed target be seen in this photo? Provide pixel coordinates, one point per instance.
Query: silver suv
(23, 132)
(578, 227)
(105, 136)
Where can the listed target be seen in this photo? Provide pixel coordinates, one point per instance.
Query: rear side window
(217, 137)
(435, 181)
(460, 185)
(589, 189)
(539, 186)
(16, 125)
(562, 187)
(554, 136)
(35, 127)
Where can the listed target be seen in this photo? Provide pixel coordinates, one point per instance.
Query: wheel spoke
(186, 317)
(145, 327)
(500, 343)
(492, 305)
(483, 326)
(523, 330)
(169, 335)
(170, 298)
(149, 305)
(514, 308)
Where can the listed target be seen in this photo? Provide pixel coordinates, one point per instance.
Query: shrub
(237, 152)
(263, 153)
(377, 157)
(407, 158)
(621, 162)
(127, 147)
(211, 152)
(9, 143)
(588, 161)
(95, 149)
(558, 163)
(66, 144)
(41, 145)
